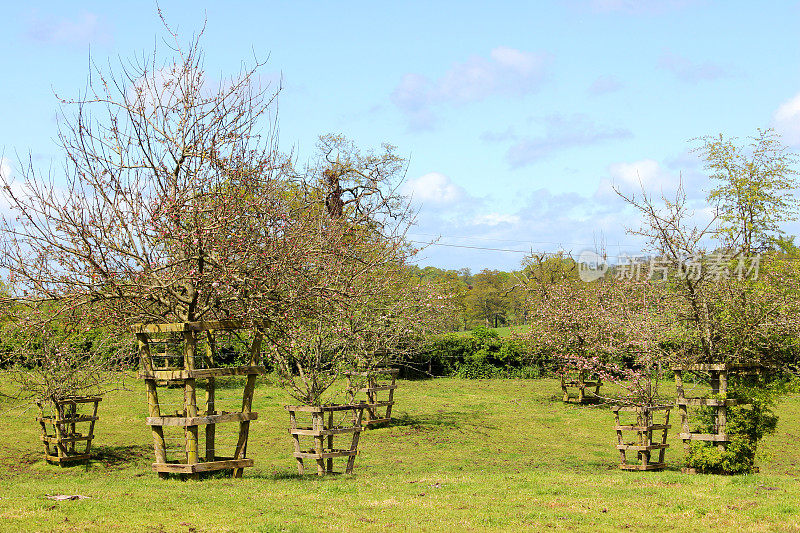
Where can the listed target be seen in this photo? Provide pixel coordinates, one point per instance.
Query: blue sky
(516, 117)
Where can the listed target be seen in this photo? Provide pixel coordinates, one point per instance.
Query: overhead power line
(555, 243)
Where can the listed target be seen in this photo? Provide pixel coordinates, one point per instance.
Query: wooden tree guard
(719, 387)
(322, 429)
(191, 418)
(377, 411)
(60, 428)
(578, 380)
(645, 441)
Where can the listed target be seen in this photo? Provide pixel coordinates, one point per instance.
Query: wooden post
(391, 395)
(683, 408)
(190, 400)
(296, 441)
(191, 418)
(153, 408)
(358, 415)
(642, 428)
(211, 452)
(244, 425)
(330, 441)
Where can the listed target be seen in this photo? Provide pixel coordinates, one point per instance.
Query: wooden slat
(209, 466)
(376, 389)
(705, 402)
(378, 420)
(68, 458)
(654, 427)
(651, 466)
(386, 403)
(640, 448)
(93, 399)
(55, 440)
(325, 455)
(711, 437)
(200, 420)
(323, 408)
(322, 432)
(632, 409)
(201, 373)
(382, 371)
(75, 420)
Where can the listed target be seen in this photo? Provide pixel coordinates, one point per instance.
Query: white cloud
(638, 6)
(690, 71)
(644, 172)
(562, 132)
(632, 177)
(434, 188)
(495, 219)
(84, 28)
(786, 120)
(605, 84)
(506, 71)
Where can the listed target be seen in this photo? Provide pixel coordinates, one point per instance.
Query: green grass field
(462, 455)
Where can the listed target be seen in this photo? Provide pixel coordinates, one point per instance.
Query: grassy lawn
(462, 455)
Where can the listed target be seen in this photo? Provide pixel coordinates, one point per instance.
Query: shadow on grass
(441, 420)
(118, 457)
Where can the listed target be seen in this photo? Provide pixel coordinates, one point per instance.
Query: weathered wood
(376, 389)
(197, 363)
(643, 431)
(321, 455)
(705, 402)
(377, 411)
(70, 421)
(718, 380)
(322, 432)
(181, 421)
(296, 440)
(710, 437)
(244, 425)
(60, 433)
(201, 373)
(208, 466)
(653, 427)
(211, 383)
(578, 380)
(639, 448)
(358, 415)
(318, 409)
(54, 440)
(649, 466)
(67, 458)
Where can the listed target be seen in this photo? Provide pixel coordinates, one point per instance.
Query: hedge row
(481, 354)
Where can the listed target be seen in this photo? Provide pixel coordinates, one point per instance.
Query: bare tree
(372, 309)
(171, 206)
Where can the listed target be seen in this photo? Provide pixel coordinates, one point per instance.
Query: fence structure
(585, 386)
(719, 375)
(377, 411)
(66, 423)
(323, 427)
(649, 436)
(184, 354)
